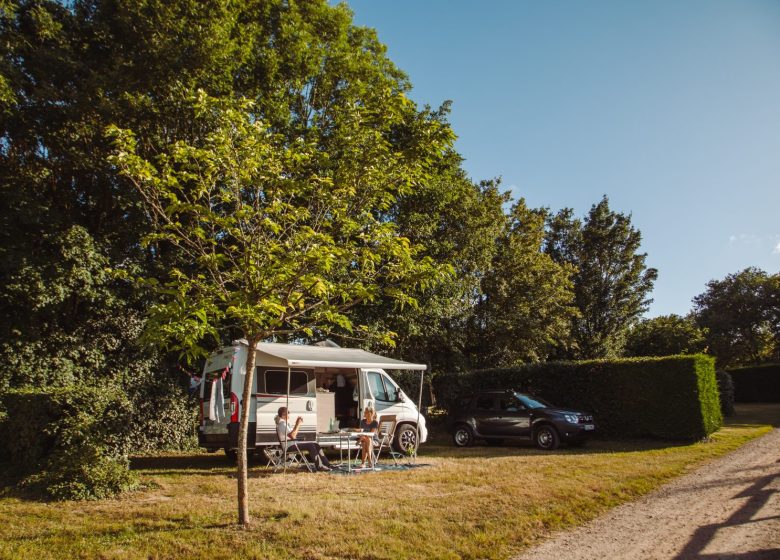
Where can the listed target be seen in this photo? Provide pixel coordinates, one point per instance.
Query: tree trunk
(243, 428)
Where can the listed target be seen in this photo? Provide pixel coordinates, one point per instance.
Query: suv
(494, 416)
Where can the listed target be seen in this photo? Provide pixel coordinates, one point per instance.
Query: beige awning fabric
(288, 355)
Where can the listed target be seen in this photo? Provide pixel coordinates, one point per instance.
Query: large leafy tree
(665, 335)
(526, 309)
(611, 282)
(456, 222)
(278, 236)
(69, 69)
(741, 315)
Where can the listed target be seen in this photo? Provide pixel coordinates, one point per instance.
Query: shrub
(673, 397)
(71, 443)
(726, 392)
(756, 383)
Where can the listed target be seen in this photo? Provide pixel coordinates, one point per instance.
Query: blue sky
(671, 108)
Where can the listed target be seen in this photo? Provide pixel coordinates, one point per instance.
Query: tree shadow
(196, 463)
(757, 494)
(522, 449)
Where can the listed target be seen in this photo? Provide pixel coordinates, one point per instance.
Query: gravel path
(727, 509)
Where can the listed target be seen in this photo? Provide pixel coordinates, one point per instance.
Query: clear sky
(671, 108)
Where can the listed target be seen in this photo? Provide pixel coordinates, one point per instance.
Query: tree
(741, 315)
(456, 222)
(665, 335)
(68, 70)
(611, 282)
(526, 310)
(279, 237)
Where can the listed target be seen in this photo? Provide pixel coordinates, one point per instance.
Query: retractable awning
(289, 355)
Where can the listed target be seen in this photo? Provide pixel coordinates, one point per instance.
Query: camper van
(328, 386)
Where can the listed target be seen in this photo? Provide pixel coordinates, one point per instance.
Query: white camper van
(327, 386)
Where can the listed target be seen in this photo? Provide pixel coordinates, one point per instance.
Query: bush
(726, 392)
(756, 383)
(71, 443)
(165, 417)
(673, 397)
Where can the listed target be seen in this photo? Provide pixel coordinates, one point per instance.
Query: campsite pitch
(479, 502)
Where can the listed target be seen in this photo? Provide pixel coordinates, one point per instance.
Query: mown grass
(481, 502)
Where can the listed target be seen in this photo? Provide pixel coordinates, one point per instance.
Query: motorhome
(328, 386)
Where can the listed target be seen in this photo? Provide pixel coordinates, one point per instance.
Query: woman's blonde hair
(372, 411)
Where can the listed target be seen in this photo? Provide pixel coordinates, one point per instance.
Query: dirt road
(728, 509)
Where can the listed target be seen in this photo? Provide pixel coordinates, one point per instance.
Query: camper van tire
(405, 438)
(231, 455)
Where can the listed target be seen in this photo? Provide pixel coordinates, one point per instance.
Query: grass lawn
(481, 502)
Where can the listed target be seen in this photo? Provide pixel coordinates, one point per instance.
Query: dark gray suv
(495, 416)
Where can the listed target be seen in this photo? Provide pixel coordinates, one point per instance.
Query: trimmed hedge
(756, 383)
(71, 443)
(672, 397)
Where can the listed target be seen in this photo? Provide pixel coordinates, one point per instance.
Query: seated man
(287, 434)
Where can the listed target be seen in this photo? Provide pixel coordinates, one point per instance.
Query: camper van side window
(392, 390)
(377, 386)
(276, 382)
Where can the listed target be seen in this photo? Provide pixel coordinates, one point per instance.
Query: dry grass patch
(481, 502)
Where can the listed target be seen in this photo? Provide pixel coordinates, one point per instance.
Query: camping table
(349, 437)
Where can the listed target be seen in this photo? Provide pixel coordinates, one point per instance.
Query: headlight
(571, 418)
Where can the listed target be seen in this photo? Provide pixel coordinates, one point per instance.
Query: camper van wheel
(231, 455)
(405, 438)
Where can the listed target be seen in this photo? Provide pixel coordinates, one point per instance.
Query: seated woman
(287, 435)
(369, 425)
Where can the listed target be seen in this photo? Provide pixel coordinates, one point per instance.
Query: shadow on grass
(186, 463)
(755, 414)
(522, 449)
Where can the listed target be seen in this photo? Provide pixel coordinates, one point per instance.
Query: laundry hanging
(219, 400)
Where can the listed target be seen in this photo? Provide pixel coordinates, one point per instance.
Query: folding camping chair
(385, 434)
(281, 460)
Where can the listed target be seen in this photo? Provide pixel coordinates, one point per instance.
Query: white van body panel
(375, 388)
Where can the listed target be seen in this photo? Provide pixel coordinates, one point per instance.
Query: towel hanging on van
(217, 401)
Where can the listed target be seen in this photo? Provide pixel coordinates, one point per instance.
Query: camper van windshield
(276, 382)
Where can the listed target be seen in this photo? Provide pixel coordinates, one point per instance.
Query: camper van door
(216, 391)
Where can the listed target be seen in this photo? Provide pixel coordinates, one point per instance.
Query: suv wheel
(546, 437)
(463, 436)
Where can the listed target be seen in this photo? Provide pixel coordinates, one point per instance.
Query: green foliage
(71, 443)
(279, 239)
(526, 311)
(455, 222)
(666, 335)
(673, 397)
(741, 315)
(611, 282)
(756, 383)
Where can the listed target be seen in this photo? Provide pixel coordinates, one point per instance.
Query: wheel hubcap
(545, 438)
(461, 437)
(408, 439)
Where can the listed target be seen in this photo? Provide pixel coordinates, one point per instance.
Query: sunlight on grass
(481, 502)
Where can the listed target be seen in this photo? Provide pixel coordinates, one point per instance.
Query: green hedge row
(70, 443)
(756, 383)
(672, 397)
